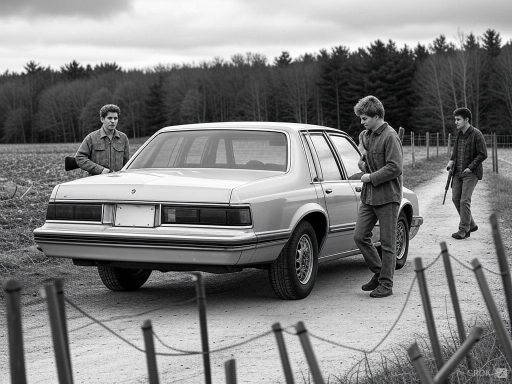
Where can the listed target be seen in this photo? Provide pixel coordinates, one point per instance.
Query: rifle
(70, 163)
(448, 183)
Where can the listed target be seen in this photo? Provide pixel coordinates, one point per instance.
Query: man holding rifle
(465, 165)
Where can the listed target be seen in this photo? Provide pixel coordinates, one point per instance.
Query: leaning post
(15, 332)
(59, 339)
(419, 365)
(455, 299)
(201, 303)
(308, 351)
(503, 264)
(501, 332)
(147, 333)
(429, 316)
(285, 361)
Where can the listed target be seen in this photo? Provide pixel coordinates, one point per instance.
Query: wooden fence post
(401, 133)
(473, 337)
(308, 351)
(455, 299)
(278, 332)
(15, 332)
(59, 287)
(437, 144)
(499, 326)
(419, 364)
(147, 332)
(503, 264)
(427, 307)
(493, 157)
(59, 339)
(496, 151)
(201, 303)
(230, 369)
(427, 142)
(412, 148)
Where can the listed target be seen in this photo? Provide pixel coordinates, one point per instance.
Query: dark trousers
(462, 190)
(387, 215)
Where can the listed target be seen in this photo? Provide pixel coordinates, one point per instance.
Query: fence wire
(470, 268)
(369, 351)
(220, 349)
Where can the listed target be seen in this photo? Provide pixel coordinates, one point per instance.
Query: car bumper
(177, 245)
(416, 222)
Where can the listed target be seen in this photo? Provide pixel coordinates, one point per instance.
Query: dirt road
(243, 305)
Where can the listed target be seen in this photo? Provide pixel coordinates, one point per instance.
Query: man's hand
(365, 178)
(105, 170)
(449, 166)
(466, 171)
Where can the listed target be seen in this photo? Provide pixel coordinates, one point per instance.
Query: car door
(340, 198)
(349, 157)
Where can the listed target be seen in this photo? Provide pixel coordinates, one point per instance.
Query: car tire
(402, 241)
(293, 274)
(123, 279)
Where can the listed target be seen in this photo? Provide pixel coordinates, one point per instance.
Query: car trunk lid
(176, 185)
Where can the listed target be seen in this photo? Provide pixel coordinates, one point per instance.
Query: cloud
(147, 32)
(43, 8)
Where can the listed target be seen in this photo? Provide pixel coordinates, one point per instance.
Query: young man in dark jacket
(106, 149)
(380, 196)
(469, 151)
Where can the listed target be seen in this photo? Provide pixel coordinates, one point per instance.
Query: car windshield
(232, 149)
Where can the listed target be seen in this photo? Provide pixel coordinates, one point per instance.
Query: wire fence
(295, 330)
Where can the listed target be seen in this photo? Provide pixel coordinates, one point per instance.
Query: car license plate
(135, 215)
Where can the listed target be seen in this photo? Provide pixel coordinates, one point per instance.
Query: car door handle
(329, 190)
(358, 189)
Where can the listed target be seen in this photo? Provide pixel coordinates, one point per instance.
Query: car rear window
(232, 149)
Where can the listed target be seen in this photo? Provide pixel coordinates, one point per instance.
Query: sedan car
(220, 197)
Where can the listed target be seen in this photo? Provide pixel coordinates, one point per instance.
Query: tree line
(419, 87)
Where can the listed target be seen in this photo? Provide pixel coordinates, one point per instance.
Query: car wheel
(123, 279)
(402, 241)
(293, 273)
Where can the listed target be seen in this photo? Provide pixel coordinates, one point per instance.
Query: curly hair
(463, 112)
(369, 106)
(109, 108)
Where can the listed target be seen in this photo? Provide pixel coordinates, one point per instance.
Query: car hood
(177, 185)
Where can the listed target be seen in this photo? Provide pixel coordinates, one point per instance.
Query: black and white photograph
(234, 191)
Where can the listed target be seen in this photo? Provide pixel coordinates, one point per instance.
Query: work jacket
(475, 151)
(384, 159)
(98, 152)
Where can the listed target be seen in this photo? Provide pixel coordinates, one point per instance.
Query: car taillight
(206, 216)
(74, 212)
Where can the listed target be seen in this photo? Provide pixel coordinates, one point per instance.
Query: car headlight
(206, 215)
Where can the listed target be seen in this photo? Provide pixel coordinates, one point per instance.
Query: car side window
(349, 156)
(196, 151)
(221, 157)
(330, 169)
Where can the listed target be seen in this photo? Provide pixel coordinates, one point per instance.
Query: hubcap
(304, 259)
(400, 240)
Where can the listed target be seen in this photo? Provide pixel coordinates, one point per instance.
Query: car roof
(267, 125)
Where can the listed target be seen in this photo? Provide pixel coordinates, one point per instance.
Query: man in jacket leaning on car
(106, 149)
(380, 196)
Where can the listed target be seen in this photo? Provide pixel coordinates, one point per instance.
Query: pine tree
(154, 107)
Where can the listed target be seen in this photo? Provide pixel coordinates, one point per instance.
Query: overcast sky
(144, 33)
